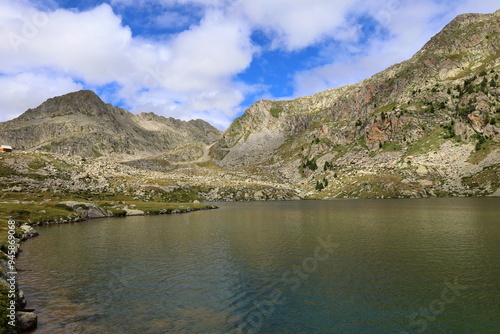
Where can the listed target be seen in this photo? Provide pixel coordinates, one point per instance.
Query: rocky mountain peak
(84, 102)
(80, 123)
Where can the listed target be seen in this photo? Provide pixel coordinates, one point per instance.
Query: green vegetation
(450, 132)
(36, 164)
(4, 303)
(321, 184)
(6, 171)
(32, 212)
(484, 146)
(383, 111)
(370, 186)
(328, 166)
(388, 146)
(391, 146)
(276, 111)
(26, 208)
(310, 164)
(429, 142)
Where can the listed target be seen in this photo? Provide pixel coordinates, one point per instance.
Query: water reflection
(253, 266)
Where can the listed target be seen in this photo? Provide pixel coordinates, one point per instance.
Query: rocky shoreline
(26, 318)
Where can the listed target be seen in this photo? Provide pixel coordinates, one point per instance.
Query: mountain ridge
(80, 123)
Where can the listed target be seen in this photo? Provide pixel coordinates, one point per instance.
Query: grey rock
(26, 321)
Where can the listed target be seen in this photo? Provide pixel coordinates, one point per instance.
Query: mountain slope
(81, 123)
(467, 47)
(446, 97)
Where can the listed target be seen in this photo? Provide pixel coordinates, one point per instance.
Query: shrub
(20, 212)
(311, 164)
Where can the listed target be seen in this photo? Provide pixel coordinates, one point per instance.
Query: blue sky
(208, 59)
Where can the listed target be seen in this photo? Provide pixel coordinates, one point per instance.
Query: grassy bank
(46, 207)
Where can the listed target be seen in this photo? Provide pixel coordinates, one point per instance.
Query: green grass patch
(429, 142)
(386, 109)
(4, 303)
(276, 111)
(36, 164)
(388, 146)
(29, 212)
(483, 148)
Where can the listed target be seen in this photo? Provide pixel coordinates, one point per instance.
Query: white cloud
(213, 51)
(217, 106)
(172, 20)
(296, 24)
(90, 45)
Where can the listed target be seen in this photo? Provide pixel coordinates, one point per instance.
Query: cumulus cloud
(205, 54)
(296, 24)
(91, 45)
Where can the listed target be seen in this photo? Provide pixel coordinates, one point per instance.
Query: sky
(208, 59)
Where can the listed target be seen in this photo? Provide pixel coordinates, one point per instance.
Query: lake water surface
(346, 266)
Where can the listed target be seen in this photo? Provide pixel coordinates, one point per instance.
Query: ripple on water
(153, 275)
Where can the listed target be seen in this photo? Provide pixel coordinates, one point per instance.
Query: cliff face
(82, 124)
(452, 81)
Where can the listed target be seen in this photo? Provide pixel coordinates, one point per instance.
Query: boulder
(426, 183)
(26, 321)
(86, 210)
(28, 232)
(422, 170)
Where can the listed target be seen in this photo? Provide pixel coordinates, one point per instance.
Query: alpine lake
(336, 266)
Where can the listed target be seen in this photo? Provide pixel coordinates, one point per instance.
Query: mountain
(82, 124)
(443, 101)
(428, 126)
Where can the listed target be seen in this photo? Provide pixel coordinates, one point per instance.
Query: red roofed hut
(5, 148)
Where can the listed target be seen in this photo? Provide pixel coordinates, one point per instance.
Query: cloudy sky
(208, 59)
